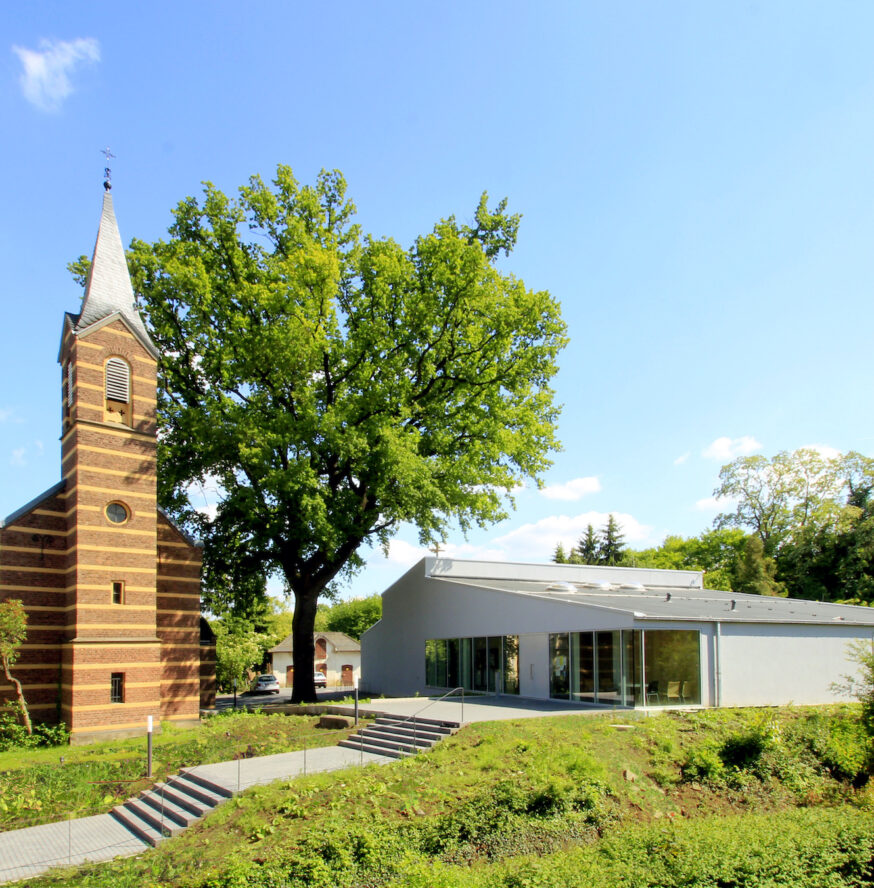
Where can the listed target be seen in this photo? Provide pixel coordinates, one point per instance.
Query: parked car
(320, 680)
(266, 684)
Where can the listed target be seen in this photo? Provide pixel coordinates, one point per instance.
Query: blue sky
(696, 184)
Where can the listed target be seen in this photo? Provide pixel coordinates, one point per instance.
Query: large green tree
(338, 385)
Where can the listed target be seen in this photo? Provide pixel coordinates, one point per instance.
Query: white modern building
(631, 637)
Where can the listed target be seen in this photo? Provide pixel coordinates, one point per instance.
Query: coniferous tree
(587, 548)
(560, 556)
(610, 548)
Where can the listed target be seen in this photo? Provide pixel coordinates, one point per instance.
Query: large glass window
(583, 667)
(511, 664)
(489, 663)
(673, 667)
(559, 669)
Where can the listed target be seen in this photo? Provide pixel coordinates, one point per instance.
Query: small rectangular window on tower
(116, 694)
(118, 593)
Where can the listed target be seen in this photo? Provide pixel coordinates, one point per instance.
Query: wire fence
(30, 848)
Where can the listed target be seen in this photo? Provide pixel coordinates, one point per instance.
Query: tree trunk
(25, 715)
(303, 628)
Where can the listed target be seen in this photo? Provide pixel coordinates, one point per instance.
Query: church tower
(110, 585)
(108, 460)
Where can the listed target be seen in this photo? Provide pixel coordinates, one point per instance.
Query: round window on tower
(117, 513)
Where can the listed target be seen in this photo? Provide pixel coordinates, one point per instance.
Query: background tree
(610, 548)
(783, 495)
(755, 573)
(238, 650)
(13, 631)
(337, 386)
(716, 552)
(353, 617)
(588, 548)
(559, 556)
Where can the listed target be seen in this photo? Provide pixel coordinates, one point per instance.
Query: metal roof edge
(5, 522)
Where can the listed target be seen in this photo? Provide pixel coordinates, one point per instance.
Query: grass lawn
(730, 797)
(45, 785)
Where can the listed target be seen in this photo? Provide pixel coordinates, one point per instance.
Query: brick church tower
(111, 587)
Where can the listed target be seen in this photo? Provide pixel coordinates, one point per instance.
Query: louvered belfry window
(117, 380)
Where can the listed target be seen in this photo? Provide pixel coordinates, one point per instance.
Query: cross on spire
(107, 172)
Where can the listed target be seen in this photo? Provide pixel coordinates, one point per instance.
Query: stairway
(400, 737)
(168, 808)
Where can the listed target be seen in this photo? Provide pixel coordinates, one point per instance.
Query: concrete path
(479, 708)
(28, 852)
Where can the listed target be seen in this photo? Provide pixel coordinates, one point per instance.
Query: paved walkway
(480, 708)
(28, 852)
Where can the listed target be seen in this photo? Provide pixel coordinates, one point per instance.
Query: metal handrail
(429, 705)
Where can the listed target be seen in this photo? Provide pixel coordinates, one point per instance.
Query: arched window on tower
(118, 407)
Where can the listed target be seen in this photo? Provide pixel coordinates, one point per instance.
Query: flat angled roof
(681, 602)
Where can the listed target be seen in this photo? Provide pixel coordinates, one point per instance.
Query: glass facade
(487, 663)
(627, 667)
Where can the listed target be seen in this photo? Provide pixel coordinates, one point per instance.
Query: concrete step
(399, 739)
(195, 808)
(195, 776)
(195, 790)
(359, 743)
(163, 801)
(128, 816)
(404, 730)
(442, 726)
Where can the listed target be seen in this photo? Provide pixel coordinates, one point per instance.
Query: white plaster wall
(334, 663)
(765, 664)
(417, 608)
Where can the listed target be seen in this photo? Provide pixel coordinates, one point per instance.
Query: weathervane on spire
(107, 172)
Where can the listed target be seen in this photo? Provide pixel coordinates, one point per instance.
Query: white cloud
(823, 450)
(7, 414)
(406, 554)
(537, 541)
(572, 490)
(729, 448)
(210, 511)
(711, 504)
(18, 456)
(45, 79)
(681, 459)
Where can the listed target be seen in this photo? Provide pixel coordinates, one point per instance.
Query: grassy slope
(487, 800)
(37, 784)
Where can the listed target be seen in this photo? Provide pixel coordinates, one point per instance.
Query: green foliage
(238, 649)
(353, 617)
(814, 515)
(610, 546)
(13, 631)
(716, 552)
(336, 385)
(756, 572)
(860, 684)
(588, 548)
(14, 735)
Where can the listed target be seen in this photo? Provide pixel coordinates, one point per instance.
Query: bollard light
(149, 746)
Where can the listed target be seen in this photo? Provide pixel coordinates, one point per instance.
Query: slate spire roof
(108, 290)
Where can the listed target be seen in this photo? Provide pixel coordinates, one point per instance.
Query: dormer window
(117, 375)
